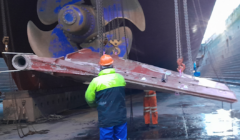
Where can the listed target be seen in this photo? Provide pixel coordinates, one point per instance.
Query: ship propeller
(77, 27)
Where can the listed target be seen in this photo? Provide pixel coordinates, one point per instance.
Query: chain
(190, 62)
(100, 24)
(177, 26)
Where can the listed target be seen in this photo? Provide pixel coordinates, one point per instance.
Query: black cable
(124, 29)
(111, 12)
(14, 105)
(8, 58)
(103, 22)
(11, 48)
(110, 22)
(19, 118)
(131, 111)
(3, 18)
(109, 25)
(131, 105)
(119, 38)
(113, 22)
(104, 29)
(13, 98)
(101, 9)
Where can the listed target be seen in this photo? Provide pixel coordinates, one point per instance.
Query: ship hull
(155, 46)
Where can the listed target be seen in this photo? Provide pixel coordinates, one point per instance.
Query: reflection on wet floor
(180, 117)
(220, 121)
(217, 125)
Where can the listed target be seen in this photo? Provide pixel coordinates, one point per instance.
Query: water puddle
(221, 123)
(186, 104)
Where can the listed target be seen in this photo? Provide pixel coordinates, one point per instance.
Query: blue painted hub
(80, 14)
(69, 17)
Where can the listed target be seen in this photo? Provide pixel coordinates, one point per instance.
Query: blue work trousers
(114, 132)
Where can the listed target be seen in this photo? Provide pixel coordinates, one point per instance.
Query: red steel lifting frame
(83, 66)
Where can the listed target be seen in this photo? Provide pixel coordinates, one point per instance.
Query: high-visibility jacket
(107, 92)
(150, 105)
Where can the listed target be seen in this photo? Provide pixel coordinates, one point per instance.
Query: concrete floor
(180, 117)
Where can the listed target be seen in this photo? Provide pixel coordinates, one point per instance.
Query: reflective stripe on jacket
(107, 92)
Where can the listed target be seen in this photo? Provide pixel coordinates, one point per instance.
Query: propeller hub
(77, 19)
(69, 17)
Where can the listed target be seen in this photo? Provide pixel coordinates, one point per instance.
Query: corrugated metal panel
(6, 78)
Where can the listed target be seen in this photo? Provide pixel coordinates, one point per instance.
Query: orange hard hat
(106, 60)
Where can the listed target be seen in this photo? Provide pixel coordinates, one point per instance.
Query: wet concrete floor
(180, 117)
(1, 110)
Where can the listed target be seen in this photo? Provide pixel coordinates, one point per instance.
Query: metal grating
(5, 79)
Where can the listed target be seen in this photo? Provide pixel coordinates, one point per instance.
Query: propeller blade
(132, 11)
(39, 40)
(47, 10)
(52, 43)
(94, 46)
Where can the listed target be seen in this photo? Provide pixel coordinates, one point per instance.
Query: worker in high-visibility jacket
(150, 105)
(107, 92)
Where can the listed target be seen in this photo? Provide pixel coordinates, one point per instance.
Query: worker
(107, 92)
(196, 73)
(150, 105)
